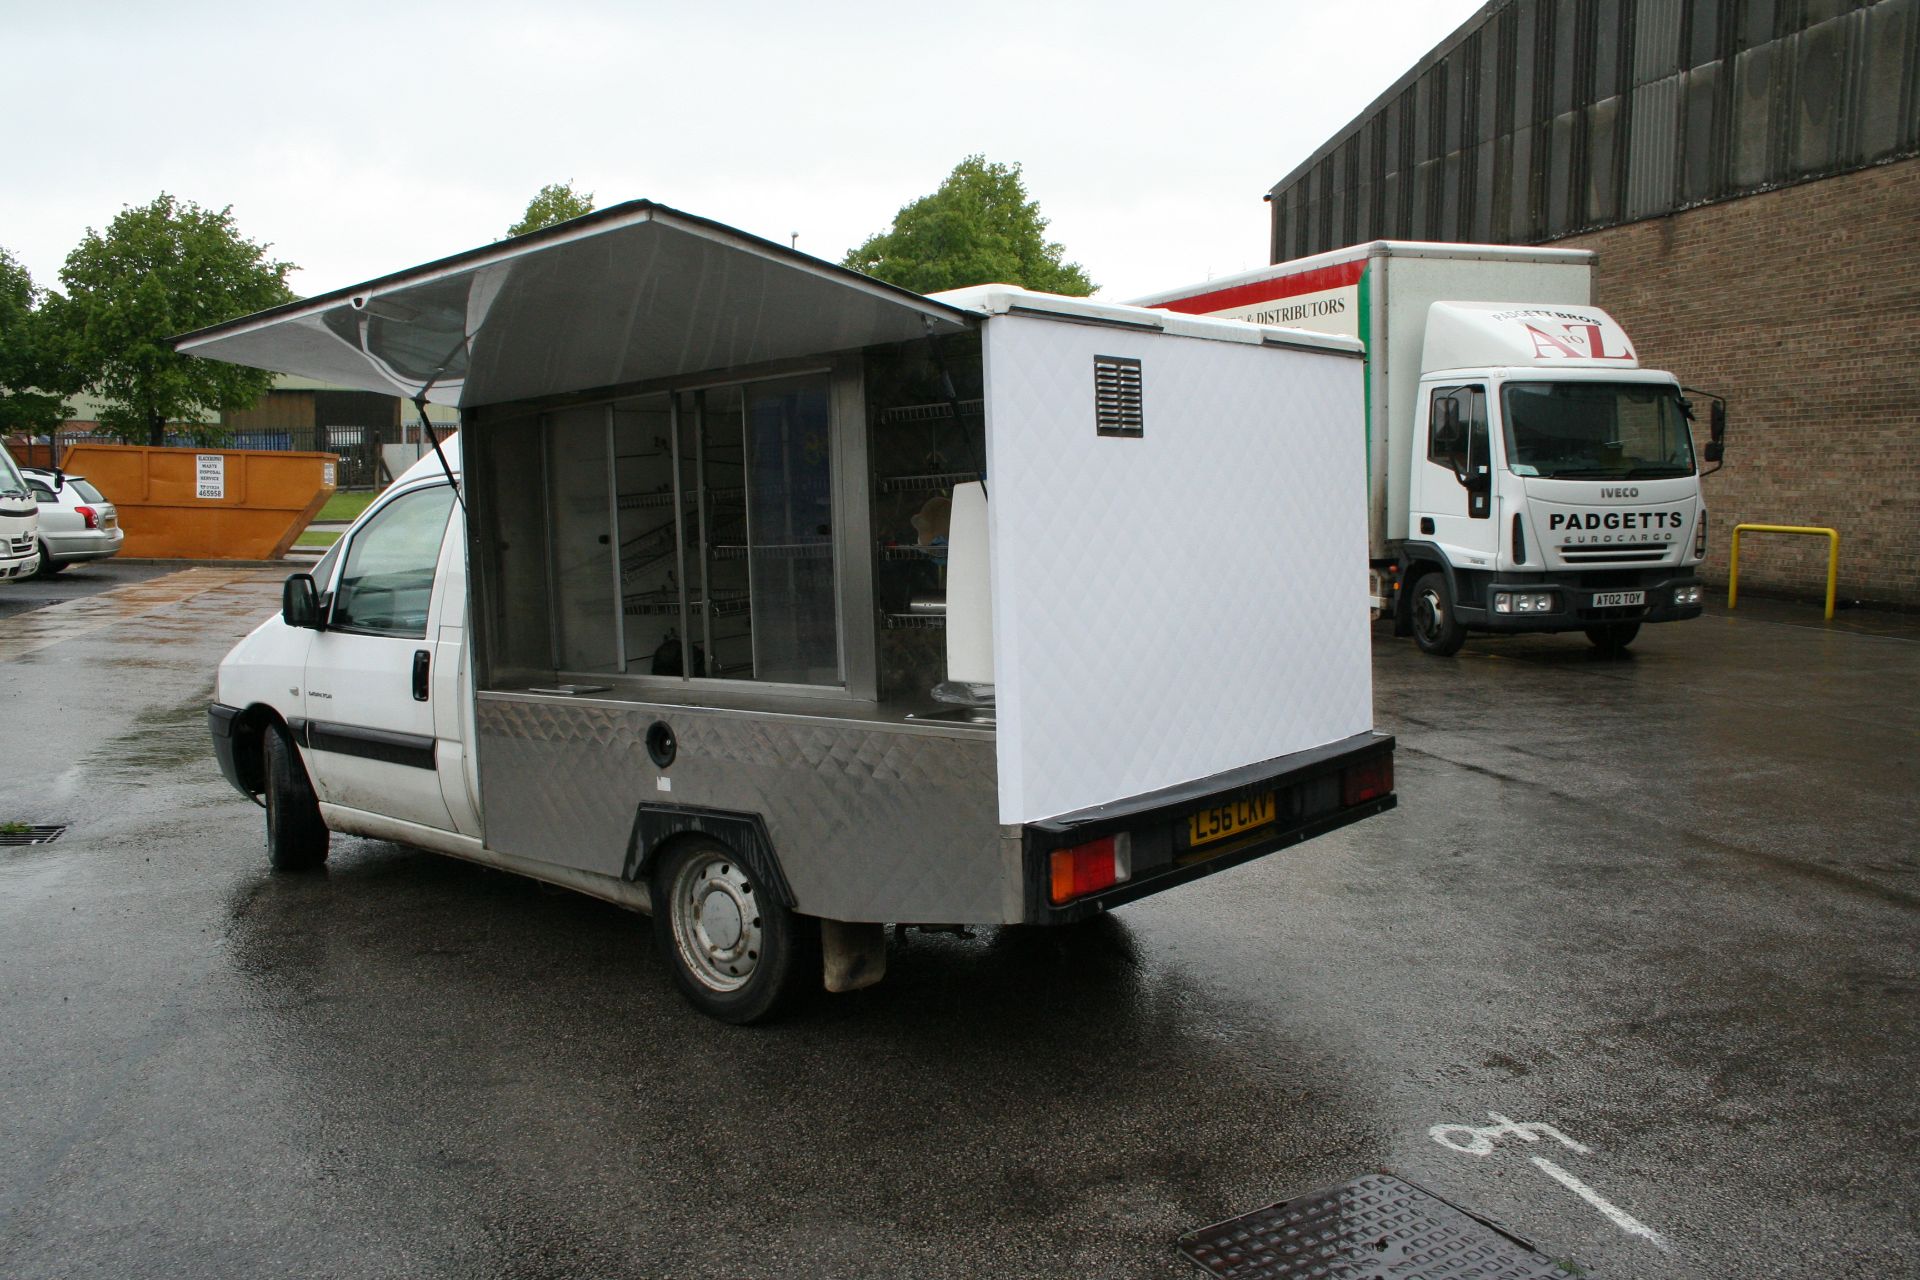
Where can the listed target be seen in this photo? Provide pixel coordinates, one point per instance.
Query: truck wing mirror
(300, 602)
(1713, 451)
(1717, 423)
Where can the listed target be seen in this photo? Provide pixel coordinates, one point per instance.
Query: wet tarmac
(1664, 904)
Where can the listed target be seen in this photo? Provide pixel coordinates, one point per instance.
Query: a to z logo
(1580, 341)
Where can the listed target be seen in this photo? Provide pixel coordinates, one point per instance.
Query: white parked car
(76, 521)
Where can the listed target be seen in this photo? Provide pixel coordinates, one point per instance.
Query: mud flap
(853, 955)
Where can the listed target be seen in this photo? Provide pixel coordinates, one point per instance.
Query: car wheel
(1613, 636)
(735, 952)
(1436, 628)
(296, 837)
(48, 565)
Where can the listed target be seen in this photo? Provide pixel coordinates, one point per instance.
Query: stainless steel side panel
(872, 822)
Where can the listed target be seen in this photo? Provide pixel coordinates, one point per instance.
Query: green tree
(978, 228)
(27, 361)
(162, 269)
(556, 202)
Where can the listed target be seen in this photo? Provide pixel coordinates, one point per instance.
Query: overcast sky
(364, 138)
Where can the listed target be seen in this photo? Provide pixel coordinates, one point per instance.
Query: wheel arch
(249, 744)
(658, 828)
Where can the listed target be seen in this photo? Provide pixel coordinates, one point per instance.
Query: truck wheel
(296, 837)
(735, 952)
(1435, 628)
(1612, 637)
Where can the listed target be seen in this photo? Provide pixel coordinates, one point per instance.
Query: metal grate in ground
(19, 833)
(1374, 1228)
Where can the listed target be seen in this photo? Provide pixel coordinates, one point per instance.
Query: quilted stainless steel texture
(1170, 607)
(870, 824)
(1374, 1228)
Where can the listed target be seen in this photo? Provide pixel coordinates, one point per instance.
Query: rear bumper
(94, 544)
(220, 718)
(1308, 801)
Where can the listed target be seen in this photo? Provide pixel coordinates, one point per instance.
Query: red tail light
(91, 516)
(1088, 868)
(1368, 780)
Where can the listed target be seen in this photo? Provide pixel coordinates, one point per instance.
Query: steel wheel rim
(717, 926)
(1429, 617)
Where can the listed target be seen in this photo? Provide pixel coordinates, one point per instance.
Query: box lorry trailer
(1524, 472)
(19, 523)
(785, 605)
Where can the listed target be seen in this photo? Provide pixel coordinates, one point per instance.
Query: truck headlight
(1686, 595)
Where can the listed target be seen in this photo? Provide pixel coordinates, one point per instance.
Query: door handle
(422, 662)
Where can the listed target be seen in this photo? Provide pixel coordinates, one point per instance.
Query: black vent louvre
(1116, 396)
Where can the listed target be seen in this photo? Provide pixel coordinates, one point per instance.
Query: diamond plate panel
(871, 822)
(1194, 600)
(1375, 1228)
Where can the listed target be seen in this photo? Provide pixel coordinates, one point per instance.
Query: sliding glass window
(692, 535)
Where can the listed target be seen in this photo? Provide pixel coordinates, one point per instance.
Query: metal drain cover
(1374, 1228)
(18, 833)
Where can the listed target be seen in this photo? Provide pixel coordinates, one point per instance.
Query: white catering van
(786, 604)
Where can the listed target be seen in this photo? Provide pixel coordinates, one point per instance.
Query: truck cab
(1553, 483)
(19, 524)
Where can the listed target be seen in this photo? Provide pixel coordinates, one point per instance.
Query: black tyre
(296, 837)
(48, 565)
(735, 952)
(1612, 637)
(1436, 628)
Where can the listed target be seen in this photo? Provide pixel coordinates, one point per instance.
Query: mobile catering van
(784, 604)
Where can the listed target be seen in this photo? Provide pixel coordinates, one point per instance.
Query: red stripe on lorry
(1339, 276)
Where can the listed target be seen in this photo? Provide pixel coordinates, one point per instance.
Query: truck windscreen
(1595, 430)
(11, 485)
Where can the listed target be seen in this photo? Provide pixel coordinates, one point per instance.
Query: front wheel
(1612, 637)
(1436, 628)
(296, 837)
(735, 951)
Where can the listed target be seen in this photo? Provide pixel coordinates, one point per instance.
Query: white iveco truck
(1525, 473)
(19, 523)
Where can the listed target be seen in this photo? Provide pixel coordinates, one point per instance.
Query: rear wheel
(1436, 628)
(1612, 637)
(735, 951)
(48, 565)
(296, 837)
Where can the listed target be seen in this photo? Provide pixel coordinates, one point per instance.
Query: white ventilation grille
(1116, 397)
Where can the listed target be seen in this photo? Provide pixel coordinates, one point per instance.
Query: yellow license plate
(1226, 820)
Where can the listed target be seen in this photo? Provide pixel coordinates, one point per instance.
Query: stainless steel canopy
(628, 294)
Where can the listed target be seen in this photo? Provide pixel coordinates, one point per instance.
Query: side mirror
(1717, 423)
(1713, 451)
(300, 602)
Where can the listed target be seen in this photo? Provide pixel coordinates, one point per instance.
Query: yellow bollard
(1833, 555)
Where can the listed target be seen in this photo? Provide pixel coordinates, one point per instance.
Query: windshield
(1596, 430)
(11, 485)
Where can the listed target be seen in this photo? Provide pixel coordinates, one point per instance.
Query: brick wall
(1802, 307)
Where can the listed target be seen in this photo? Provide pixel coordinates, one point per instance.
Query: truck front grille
(1637, 552)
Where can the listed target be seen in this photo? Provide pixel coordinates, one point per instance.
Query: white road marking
(1479, 1141)
(1614, 1214)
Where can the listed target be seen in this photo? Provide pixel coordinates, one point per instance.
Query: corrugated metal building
(1746, 170)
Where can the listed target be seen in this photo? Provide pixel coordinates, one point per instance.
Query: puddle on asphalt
(160, 739)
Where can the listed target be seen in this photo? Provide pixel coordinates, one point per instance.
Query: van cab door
(369, 732)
